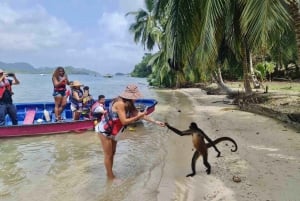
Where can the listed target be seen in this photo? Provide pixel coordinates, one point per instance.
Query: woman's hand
(162, 124)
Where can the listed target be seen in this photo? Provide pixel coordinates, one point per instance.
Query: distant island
(25, 68)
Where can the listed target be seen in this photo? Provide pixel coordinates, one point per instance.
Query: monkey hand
(168, 125)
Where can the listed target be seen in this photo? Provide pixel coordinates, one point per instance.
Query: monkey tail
(221, 139)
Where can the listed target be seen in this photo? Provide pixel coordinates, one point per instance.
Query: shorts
(113, 137)
(59, 93)
(74, 108)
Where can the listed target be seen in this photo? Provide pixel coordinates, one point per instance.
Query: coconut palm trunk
(217, 75)
(246, 74)
(294, 10)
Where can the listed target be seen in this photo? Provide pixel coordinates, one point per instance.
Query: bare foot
(115, 181)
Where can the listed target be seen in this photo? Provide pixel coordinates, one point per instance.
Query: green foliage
(265, 67)
(203, 34)
(142, 69)
(232, 72)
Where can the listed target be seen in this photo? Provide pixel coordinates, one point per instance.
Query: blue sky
(89, 34)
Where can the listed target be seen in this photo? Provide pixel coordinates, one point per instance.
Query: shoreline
(267, 148)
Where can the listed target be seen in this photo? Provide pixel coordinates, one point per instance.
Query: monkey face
(193, 126)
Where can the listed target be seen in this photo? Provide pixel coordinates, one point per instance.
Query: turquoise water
(70, 166)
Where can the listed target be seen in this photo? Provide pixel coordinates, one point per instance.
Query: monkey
(201, 147)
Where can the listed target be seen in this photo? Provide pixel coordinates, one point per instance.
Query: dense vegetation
(200, 40)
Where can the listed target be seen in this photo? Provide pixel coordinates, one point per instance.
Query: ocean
(70, 167)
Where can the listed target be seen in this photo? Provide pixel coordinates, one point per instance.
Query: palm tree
(294, 11)
(196, 28)
(146, 28)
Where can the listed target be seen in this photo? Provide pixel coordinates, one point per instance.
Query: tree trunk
(254, 79)
(294, 10)
(217, 75)
(246, 74)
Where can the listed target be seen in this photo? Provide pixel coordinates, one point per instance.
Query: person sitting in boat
(60, 81)
(76, 99)
(87, 102)
(98, 108)
(6, 102)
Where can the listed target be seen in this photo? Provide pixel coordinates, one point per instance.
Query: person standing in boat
(6, 102)
(60, 81)
(76, 99)
(121, 112)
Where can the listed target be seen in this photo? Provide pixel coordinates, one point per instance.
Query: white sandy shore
(267, 160)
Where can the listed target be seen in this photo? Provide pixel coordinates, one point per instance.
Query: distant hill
(25, 68)
(19, 67)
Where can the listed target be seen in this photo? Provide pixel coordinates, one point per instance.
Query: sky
(92, 34)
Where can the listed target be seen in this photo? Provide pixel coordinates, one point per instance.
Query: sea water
(70, 167)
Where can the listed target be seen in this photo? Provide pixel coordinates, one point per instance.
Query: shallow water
(70, 166)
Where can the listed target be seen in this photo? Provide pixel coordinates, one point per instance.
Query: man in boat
(6, 102)
(98, 108)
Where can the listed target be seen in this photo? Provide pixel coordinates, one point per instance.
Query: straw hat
(76, 83)
(131, 92)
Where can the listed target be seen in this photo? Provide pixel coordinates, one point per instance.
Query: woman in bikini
(122, 112)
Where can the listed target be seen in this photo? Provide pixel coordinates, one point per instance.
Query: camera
(10, 74)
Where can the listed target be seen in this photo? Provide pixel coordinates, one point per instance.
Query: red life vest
(112, 125)
(61, 87)
(94, 106)
(5, 85)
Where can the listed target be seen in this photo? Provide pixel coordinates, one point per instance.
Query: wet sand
(267, 160)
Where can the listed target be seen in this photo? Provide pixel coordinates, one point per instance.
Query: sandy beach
(267, 160)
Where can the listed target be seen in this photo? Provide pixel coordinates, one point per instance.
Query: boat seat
(39, 115)
(21, 116)
(29, 116)
(69, 114)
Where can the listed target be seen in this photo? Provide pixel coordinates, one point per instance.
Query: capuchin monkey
(201, 147)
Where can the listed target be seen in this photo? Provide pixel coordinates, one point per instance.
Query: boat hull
(39, 123)
(46, 128)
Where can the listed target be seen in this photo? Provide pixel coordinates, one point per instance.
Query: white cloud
(31, 34)
(33, 29)
(128, 5)
(114, 26)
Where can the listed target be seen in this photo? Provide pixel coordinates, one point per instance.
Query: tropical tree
(196, 29)
(142, 69)
(146, 29)
(294, 11)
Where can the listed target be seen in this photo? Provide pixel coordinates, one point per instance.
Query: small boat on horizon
(38, 118)
(108, 75)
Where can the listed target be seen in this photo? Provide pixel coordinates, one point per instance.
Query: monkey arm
(181, 133)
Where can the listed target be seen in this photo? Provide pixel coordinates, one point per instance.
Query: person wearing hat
(6, 102)
(76, 99)
(121, 112)
(60, 81)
